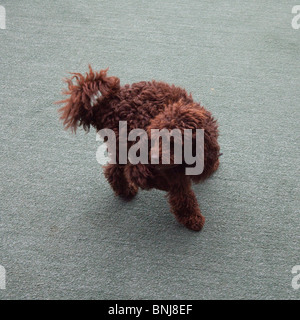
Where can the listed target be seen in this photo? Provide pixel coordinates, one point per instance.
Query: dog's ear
(85, 94)
(70, 113)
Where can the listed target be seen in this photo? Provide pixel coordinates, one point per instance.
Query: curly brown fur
(144, 105)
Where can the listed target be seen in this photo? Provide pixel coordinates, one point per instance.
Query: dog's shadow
(147, 217)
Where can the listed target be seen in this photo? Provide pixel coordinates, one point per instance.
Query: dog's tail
(84, 94)
(184, 115)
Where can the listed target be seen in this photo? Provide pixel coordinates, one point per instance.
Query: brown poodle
(99, 101)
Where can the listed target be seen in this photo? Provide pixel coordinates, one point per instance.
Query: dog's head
(86, 94)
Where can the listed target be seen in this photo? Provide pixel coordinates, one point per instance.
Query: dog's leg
(115, 176)
(140, 175)
(184, 204)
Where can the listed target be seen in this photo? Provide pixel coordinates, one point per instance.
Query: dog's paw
(127, 193)
(194, 223)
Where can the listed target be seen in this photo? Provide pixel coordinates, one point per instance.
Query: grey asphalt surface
(64, 235)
